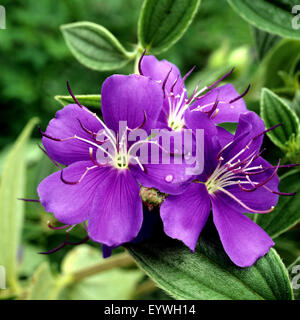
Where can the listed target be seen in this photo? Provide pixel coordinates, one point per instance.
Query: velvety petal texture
(117, 214)
(228, 111)
(69, 203)
(243, 240)
(68, 122)
(131, 98)
(250, 127)
(224, 136)
(161, 70)
(200, 120)
(185, 215)
(168, 178)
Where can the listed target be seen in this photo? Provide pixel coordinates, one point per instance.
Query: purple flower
(222, 104)
(236, 180)
(105, 195)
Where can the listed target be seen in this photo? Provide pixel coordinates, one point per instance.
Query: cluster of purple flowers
(235, 179)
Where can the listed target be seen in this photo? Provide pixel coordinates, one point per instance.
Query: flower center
(178, 104)
(121, 161)
(220, 178)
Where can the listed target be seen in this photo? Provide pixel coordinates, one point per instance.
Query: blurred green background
(35, 64)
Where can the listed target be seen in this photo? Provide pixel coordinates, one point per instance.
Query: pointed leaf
(208, 273)
(274, 111)
(163, 22)
(94, 46)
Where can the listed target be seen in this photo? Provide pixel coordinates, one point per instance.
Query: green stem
(119, 260)
(14, 286)
(144, 288)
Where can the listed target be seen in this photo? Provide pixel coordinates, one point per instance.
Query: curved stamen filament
(78, 138)
(262, 183)
(58, 228)
(140, 63)
(47, 154)
(91, 150)
(107, 130)
(241, 96)
(65, 243)
(243, 204)
(80, 179)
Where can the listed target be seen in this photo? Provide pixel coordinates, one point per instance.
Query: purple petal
(224, 136)
(164, 166)
(117, 214)
(199, 120)
(185, 215)
(168, 75)
(158, 71)
(249, 128)
(228, 112)
(243, 240)
(129, 98)
(66, 124)
(71, 204)
(168, 178)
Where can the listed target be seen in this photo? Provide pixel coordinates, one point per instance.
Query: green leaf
(87, 100)
(163, 22)
(296, 103)
(32, 153)
(264, 41)
(286, 214)
(274, 17)
(94, 46)
(114, 284)
(274, 111)
(11, 209)
(208, 273)
(43, 285)
(284, 56)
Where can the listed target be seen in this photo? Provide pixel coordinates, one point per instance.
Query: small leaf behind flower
(163, 22)
(208, 274)
(286, 213)
(94, 46)
(87, 100)
(274, 111)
